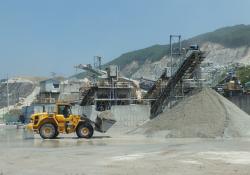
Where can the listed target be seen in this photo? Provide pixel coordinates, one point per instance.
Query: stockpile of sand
(205, 114)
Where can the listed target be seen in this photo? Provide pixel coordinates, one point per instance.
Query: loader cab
(64, 109)
(194, 47)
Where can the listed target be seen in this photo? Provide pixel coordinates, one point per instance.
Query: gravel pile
(206, 114)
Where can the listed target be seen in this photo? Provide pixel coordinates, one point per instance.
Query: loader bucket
(28, 134)
(104, 121)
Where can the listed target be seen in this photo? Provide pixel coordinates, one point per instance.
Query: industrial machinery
(230, 85)
(50, 125)
(185, 71)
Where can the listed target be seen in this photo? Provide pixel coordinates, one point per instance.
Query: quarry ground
(116, 154)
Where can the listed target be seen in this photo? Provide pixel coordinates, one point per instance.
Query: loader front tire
(84, 130)
(57, 133)
(48, 131)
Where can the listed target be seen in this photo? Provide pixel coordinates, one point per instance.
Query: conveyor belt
(194, 58)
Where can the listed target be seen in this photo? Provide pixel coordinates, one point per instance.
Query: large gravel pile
(205, 114)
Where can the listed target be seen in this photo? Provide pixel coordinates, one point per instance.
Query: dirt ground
(123, 155)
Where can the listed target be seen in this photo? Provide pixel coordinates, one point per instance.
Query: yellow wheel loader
(50, 125)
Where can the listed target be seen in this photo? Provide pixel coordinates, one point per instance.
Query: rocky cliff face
(152, 70)
(131, 67)
(222, 55)
(216, 53)
(18, 90)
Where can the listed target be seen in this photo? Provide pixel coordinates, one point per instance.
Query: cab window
(64, 110)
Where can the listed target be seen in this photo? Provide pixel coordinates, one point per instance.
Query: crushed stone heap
(205, 114)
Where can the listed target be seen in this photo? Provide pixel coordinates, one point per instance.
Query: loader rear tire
(48, 131)
(84, 130)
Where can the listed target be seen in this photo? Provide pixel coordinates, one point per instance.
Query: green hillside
(81, 75)
(153, 53)
(243, 73)
(231, 37)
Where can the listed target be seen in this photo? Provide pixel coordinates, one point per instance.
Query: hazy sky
(38, 37)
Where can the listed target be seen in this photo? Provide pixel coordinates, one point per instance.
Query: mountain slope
(230, 37)
(153, 53)
(224, 46)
